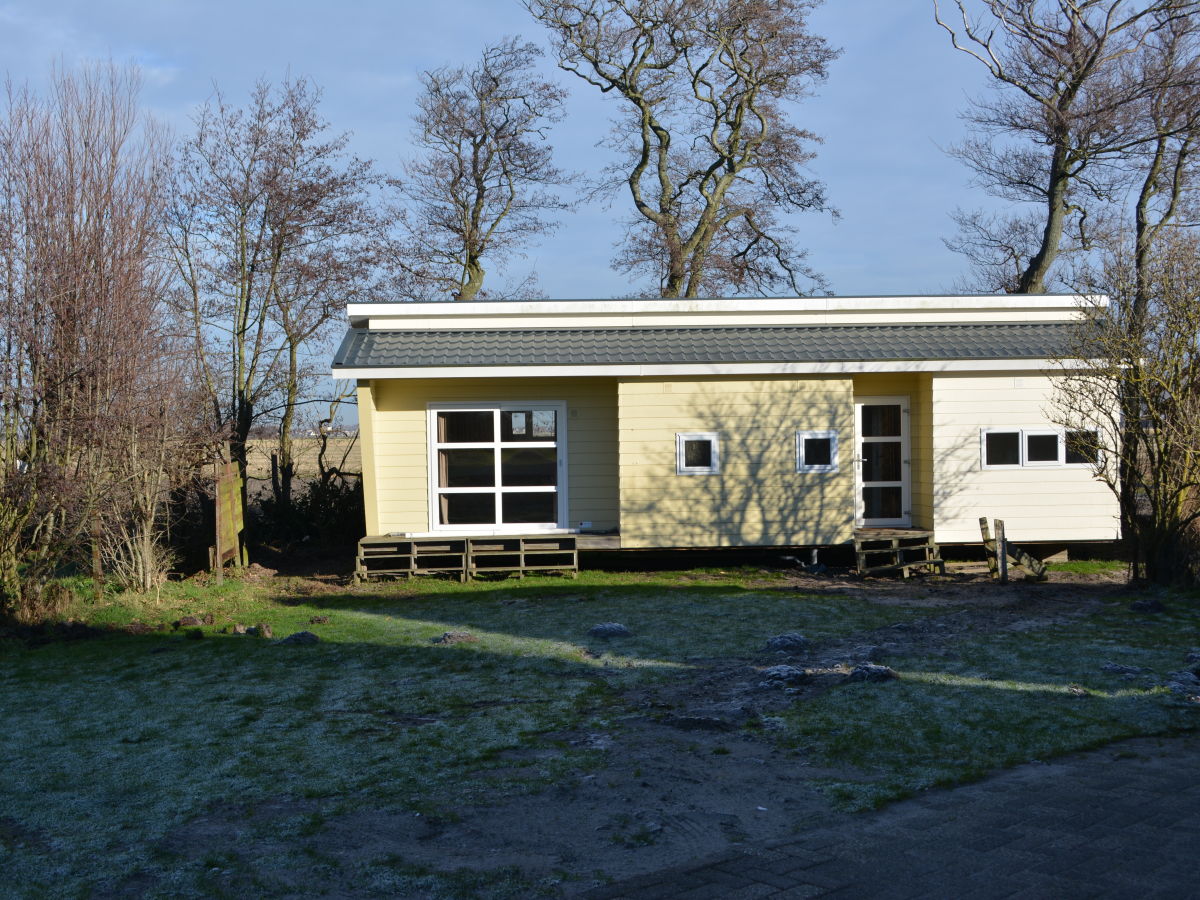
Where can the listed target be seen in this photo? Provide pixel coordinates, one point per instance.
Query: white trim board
(669, 369)
(447, 311)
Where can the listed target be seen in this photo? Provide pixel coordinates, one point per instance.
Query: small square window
(816, 451)
(697, 454)
(1002, 448)
(1082, 448)
(1042, 449)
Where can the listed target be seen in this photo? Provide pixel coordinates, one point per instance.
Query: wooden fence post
(1002, 551)
(989, 547)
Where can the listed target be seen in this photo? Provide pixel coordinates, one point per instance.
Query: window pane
(1082, 447)
(1041, 448)
(818, 451)
(882, 420)
(466, 468)
(465, 428)
(528, 425)
(520, 508)
(1002, 448)
(524, 466)
(881, 461)
(882, 503)
(468, 509)
(697, 454)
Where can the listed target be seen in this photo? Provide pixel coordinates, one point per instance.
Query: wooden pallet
(388, 556)
(880, 551)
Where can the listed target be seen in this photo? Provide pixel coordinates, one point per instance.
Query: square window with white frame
(697, 453)
(816, 451)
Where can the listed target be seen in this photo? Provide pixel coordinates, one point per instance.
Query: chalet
(720, 423)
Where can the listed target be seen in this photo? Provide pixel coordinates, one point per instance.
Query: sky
(889, 109)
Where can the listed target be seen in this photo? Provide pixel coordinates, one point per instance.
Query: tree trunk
(473, 273)
(1033, 279)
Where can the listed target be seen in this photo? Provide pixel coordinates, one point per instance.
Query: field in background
(259, 457)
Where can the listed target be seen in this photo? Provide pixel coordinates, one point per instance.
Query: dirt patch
(690, 768)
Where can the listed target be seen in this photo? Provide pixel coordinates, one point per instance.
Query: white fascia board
(626, 313)
(700, 369)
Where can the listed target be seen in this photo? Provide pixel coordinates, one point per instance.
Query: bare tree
(480, 188)
(271, 228)
(1050, 133)
(81, 318)
(708, 154)
(1147, 364)
(1164, 171)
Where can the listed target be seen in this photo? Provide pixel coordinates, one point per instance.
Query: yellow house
(721, 423)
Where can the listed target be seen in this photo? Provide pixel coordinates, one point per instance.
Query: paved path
(1119, 822)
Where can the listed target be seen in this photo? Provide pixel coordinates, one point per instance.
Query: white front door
(883, 492)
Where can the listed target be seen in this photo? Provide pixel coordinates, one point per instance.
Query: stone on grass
(262, 630)
(609, 630)
(239, 629)
(1148, 605)
(319, 620)
(1118, 669)
(1178, 687)
(788, 642)
(782, 676)
(208, 619)
(871, 672)
(456, 637)
(300, 637)
(185, 622)
(716, 717)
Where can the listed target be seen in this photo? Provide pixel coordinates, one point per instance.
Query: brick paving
(1119, 822)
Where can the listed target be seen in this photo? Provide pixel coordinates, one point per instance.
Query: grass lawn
(117, 749)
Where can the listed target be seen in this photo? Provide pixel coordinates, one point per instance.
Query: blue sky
(891, 104)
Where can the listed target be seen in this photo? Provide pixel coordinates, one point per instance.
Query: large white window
(1014, 448)
(497, 467)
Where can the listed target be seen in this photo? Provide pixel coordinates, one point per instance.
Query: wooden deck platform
(880, 551)
(389, 556)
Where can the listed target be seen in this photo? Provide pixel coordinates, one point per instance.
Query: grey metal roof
(724, 344)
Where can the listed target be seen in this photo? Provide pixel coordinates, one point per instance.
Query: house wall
(1036, 504)
(396, 442)
(758, 497)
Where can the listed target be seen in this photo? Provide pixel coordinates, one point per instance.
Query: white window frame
(802, 436)
(1023, 449)
(496, 408)
(681, 439)
(1060, 459)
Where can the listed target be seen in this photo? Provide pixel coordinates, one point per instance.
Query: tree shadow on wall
(760, 495)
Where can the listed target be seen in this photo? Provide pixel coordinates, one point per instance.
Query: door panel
(883, 489)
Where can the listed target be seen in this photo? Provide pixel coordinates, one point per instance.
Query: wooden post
(989, 547)
(1002, 551)
(218, 562)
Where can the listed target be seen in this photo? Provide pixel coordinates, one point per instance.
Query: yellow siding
(398, 489)
(758, 498)
(366, 435)
(1036, 504)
